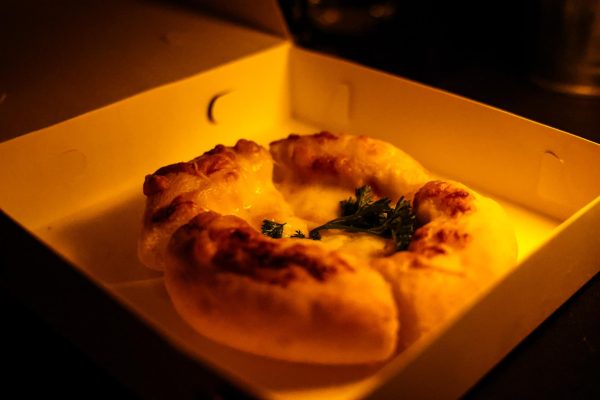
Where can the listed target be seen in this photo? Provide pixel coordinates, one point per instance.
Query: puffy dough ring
(287, 298)
(463, 244)
(464, 240)
(228, 180)
(348, 161)
(301, 300)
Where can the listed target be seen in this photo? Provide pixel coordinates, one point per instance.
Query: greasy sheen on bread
(289, 299)
(344, 299)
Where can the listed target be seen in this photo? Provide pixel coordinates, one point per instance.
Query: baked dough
(325, 168)
(463, 244)
(228, 180)
(288, 298)
(345, 299)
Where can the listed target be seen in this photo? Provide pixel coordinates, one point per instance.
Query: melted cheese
(315, 205)
(357, 244)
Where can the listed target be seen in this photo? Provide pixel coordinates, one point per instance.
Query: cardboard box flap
(65, 58)
(95, 156)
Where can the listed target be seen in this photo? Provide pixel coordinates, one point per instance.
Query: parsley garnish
(298, 234)
(374, 217)
(364, 195)
(362, 214)
(272, 229)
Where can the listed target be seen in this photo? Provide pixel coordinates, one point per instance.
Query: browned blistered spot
(432, 251)
(230, 245)
(185, 238)
(420, 234)
(182, 167)
(291, 138)
(284, 279)
(165, 213)
(238, 248)
(452, 236)
(324, 136)
(218, 149)
(218, 159)
(231, 176)
(441, 235)
(301, 156)
(320, 138)
(162, 214)
(429, 242)
(246, 252)
(240, 235)
(417, 262)
(202, 220)
(325, 165)
(215, 163)
(448, 198)
(244, 146)
(155, 184)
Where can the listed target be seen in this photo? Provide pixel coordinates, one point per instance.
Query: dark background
(485, 51)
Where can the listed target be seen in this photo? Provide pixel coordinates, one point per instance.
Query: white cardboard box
(77, 187)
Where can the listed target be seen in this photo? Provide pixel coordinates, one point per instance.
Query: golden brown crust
(334, 301)
(239, 249)
(446, 197)
(348, 161)
(430, 241)
(228, 180)
(463, 244)
(218, 159)
(284, 298)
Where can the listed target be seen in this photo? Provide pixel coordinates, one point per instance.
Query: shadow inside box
(102, 240)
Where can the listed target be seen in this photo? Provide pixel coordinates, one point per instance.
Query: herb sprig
(362, 214)
(272, 229)
(374, 217)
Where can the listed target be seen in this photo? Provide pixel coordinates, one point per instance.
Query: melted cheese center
(317, 204)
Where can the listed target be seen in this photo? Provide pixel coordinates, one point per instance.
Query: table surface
(560, 359)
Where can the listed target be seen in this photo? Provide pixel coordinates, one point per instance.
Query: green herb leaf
(314, 235)
(272, 229)
(362, 214)
(376, 218)
(402, 224)
(364, 196)
(298, 234)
